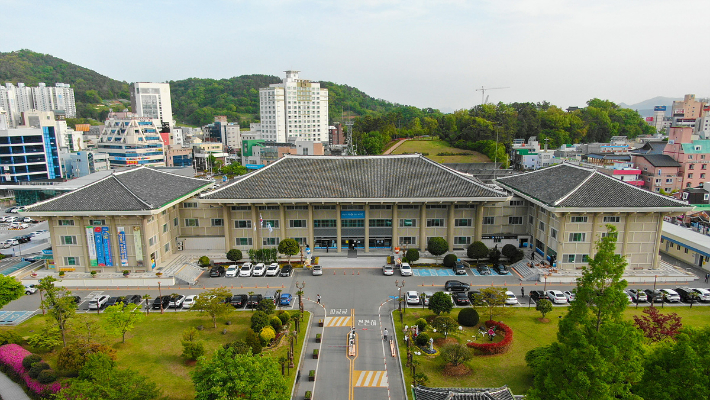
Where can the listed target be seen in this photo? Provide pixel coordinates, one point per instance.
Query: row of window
(346, 207)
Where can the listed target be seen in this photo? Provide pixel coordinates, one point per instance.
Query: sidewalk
(10, 390)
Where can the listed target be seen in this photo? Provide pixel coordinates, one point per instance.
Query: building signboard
(352, 215)
(106, 241)
(122, 248)
(138, 245)
(93, 260)
(99, 246)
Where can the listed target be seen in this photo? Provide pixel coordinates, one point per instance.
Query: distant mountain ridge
(645, 108)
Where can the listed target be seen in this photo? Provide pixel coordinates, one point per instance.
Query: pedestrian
(522, 291)
(318, 298)
(706, 277)
(386, 334)
(298, 376)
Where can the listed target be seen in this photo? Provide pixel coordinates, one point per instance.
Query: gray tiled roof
(346, 177)
(137, 189)
(660, 160)
(566, 185)
(427, 393)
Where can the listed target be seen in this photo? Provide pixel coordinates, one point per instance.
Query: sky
(421, 53)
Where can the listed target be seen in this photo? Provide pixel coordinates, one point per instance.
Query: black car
(537, 295)
(456, 286)
(112, 301)
(77, 299)
(459, 269)
(654, 296)
(131, 299)
(239, 300)
(164, 300)
(472, 296)
(687, 295)
(217, 271)
(500, 269)
(461, 299)
(254, 300)
(22, 239)
(286, 270)
(483, 269)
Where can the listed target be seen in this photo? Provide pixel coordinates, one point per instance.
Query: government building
(141, 218)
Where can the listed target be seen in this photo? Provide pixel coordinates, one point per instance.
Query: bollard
(353, 272)
(343, 272)
(282, 286)
(241, 286)
(358, 272)
(505, 284)
(267, 285)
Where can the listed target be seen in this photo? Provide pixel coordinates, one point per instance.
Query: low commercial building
(686, 245)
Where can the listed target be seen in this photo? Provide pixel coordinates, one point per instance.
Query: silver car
(387, 270)
(317, 270)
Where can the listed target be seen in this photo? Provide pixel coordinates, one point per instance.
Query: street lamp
(300, 293)
(399, 293)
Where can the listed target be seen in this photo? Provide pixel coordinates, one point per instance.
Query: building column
(395, 227)
(625, 248)
(311, 236)
(339, 228)
(282, 217)
(113, 237)
(657, 246)
(547, 233)
(450, 227)
(561, 237)
(256, 244)
(422, 227)
(146, 248)
(592, 244)
(479, 222)
(226, 216)
(367, 228)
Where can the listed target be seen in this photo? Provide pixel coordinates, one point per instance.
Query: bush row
(495, 347)
(11, 361)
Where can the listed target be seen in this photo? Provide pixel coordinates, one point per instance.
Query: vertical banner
(91, 243)
(138, 245)
(122, 248)
(107, 246)
(98, 241)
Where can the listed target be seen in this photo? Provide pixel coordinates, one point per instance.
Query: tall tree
(10, 289)
(597, 354)
(120, 320)
(491, 300)
(289, 247)
(211, 302)
(59, 303)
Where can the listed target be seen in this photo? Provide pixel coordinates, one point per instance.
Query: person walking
(522, 291)
(386, 334)
(318, 298)
(707, 276)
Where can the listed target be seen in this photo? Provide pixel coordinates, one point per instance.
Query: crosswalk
(331, 322)
(370, 379)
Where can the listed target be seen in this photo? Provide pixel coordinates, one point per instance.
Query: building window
(435, 222)
(166, 248)
(407, 223)
(577, 237)
(325, 223)
(152, 240)
(352, 207)
(241, 208)
(324, 207)
(553, 233)
(352, 223)
(489, 220)
(304, 208)
(380, 207)
(297, 223)
(615, 235)
(690, 176)
(463, 222)
(464, 207)
(97, 222)
(270, 241)
(578, 219)
(189, 205)
(436, 207)
(407, 240)
(243, 241)
(516, 203)
(612, 219)
(575, 258)
(71, 260)
(465, 240)
(542, 210)
(165, 228)
(686, 250)
(66, 222)
(515, 220)
(242, 224)
(274, 223)
(217, 222)
(268, 208)
(407, 207)
(191, 222)
(381, 223)
(68, 240)
(175, 221)
(541, 226)
(530, 219)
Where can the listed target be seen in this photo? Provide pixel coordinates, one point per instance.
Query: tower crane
(483, 91)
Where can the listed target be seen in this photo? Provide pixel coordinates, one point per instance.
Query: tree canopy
(10, 289)
(440, 302)
(211, 302)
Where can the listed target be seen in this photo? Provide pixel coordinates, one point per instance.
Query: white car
(30, 289)
(190, 301)
(556, 297)
(412, 297)
(259, 270)
(671, 295)
(427, 296)
(272, 269)
(703, 294)
(510, 298)
(405, 270)
(176, 302)
(246, 269)
(317, 270)
(570, 296)
(98, 302)
(388, 270)
(231, 271)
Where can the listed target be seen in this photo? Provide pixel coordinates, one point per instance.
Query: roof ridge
(150, 206)
(245, 176)
(174, 174)
(461, 175)
(585, 180)
(70, 192)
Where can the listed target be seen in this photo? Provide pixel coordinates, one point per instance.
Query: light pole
(399, 293)
(160, 293)
(300, 293)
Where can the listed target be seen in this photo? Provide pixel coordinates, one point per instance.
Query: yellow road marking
(336, 321)
(370, 379)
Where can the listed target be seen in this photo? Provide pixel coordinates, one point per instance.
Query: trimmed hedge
(450, 260)
(37, 368)
(495, 347)
(468, 317)
(47, 376)
(422, 339)
(30, 359)
(421, 324)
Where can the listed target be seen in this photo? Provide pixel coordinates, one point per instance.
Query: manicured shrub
(47, 376)
(422, 339)
(468, 317)
(253, 341)
(267, 334)
(259, 320)
(37, 368)
(450, 260)
(421, 324)
(234, 255)
(490, 348)
(204, 261)
(11, 356)
(276, 323)
(509, 250)
(7, 337)
(284, 316)
(30, 359)
(192, 350)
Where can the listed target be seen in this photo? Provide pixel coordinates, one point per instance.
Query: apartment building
(152, 100)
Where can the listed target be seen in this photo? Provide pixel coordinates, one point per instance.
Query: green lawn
(509, 368)
(434, 147)
(153, 348)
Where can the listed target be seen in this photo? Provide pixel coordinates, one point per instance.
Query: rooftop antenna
(350, 146)
(483, 92)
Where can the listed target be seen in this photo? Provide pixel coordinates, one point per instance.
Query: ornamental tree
(211, 302)
(10, 289)
(491, 301)
(289, 247)
(544, 306)
(657, 326)
(437, 246)
(477, 250)
(444, 324)
(120, 319)
(234, 255)
(440, 302)
(456, 353)
(59, 303)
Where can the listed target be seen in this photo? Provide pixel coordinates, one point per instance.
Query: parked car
(671, 295)
(159, 301)
(239, 300)
(703, 294)
(500, 269)
(254, 300)
(76, 299)
(387, 270)
(286, 270)
(461, 298)
(30, 289)
(246, 269)
(231, 271)
(459, 269)
(190, 300)
(176, 301)
(483, 269)
(131, 299)
(570, 295)
(98, 302)
(474, 296)
(687, 295)
(426, 296)
(286, 299)
(637, 295)
(556, 297)
(112, 301)
(654, 296)
(23, 238)
(456, 286)
(412, 297)
(217, 271)
(272, 269)
(259, 270)
(405, 269)
(537, 295)
(510, 298)
(9, 243)
(317, 270)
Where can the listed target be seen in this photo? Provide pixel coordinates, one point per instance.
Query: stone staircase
(189, 273)
(527, 273)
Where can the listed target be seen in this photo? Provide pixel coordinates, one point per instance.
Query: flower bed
(11, 356)
(495, 347)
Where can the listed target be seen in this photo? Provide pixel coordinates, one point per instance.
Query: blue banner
(107, 246)
(122, 248)
(99, 247)
(352, 215)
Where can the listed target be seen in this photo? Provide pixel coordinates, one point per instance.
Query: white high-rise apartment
(152, 100)
(296, 109)
(18, 99)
